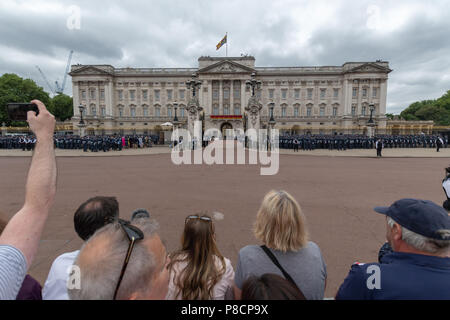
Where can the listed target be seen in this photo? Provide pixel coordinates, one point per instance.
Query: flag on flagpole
(222, 42)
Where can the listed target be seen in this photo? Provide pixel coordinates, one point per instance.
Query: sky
(411, 35)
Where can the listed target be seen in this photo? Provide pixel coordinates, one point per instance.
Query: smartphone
(18, 111)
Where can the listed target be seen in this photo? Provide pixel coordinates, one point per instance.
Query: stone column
(109, 98)
(231, 97)
(383, 95)
(243, 100)
(209, 106)
(220, 97)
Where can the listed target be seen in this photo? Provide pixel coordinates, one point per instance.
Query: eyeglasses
(134, 234)
(204, 218)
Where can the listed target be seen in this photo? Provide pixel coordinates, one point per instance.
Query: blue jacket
(401, 275)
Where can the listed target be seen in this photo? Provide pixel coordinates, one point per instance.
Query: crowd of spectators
(127, 260)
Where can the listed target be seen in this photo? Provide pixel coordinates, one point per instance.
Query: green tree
(15, 89)
(62, 106)
(390, 116)
(437, 110)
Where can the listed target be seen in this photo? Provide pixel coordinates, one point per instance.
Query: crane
(45, 79)
(58, 89)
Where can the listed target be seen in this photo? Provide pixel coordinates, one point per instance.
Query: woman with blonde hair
(198, 271)
(281, 226)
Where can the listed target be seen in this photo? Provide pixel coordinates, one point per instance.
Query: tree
(437, 110)
(62, 106)
(15, 89)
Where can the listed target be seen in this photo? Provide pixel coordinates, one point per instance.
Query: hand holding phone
(18, 111)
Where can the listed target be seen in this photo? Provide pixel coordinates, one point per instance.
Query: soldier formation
(344, 142)
(88, 143)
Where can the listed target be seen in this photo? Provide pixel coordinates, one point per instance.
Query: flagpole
(226, 35)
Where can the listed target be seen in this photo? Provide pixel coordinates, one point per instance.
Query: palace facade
(324, 99)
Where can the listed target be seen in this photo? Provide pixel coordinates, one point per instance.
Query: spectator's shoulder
(354, 286)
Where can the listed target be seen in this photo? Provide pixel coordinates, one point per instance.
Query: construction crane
(45, 79)
(58, 89)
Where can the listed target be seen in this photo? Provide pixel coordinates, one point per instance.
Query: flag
(222, 42)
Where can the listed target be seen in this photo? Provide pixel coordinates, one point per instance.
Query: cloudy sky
(412, 35)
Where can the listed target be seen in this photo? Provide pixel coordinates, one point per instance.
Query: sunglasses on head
(204, 218)
(133, 234)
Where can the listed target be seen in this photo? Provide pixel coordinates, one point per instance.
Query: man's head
(102, 257)
(417, 226)
(94, 214)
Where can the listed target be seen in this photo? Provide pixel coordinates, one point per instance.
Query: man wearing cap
(419, 266)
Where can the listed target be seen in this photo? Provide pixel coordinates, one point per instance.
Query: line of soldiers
(87, 143)
(344, 142)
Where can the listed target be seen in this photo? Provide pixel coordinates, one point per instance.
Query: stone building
(326, 99)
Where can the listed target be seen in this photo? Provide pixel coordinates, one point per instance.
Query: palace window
(296, 111)
(93, 111)
(103, 111)
(181, 94)
(237, 92)
(322, 111)
(335, 109)
(323, 93)
(363, 110)
(132, 95)
(271, 93)
(283, 111)
(284, 93)
(182, 112)
(364, 92)
(226, 93)
(353, 110)
(121, 112)
(102, 94)
(237, 110)
(169, 111)
(226, 110)
(157, 112)
(215, 110)
(297, 93)
(308, 111)
(144, 94)
(120, 94)
(145, 109)
(216, 94)
(83, 94)
(355, 92)
(133, 112)
(157, 95)
(92, 94)
(310, 94)
(169, 95)
(336, 93)
(374, 92)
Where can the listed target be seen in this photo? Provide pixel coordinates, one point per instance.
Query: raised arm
(25, 228)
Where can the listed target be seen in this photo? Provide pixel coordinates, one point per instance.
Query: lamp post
(193, 84)
(371, 123)
(81, 124)
(271, 126)
(253, 83)
(81, 107)
(372, 109)
(175, 106)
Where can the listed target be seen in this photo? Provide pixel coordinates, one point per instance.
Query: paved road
(337, 195)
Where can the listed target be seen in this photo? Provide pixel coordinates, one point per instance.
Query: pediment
(226, 66)
(370, 67)
(89, 70)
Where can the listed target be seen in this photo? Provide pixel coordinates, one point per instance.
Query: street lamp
(193, 84)
(81, 107)
(271, 114)
(372, 109)
(253, 83)
(175, 106)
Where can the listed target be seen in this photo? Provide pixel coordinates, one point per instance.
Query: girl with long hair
(198, 271)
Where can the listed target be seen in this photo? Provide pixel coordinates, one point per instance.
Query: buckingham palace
(232, 93)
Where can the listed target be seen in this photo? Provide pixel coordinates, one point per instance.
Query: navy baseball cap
(423, 217)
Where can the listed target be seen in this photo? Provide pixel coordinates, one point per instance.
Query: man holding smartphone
(20, 239)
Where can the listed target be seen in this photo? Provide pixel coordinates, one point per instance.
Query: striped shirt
(13, 269)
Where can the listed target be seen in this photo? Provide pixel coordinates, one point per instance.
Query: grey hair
(101, 258)
(420, 242)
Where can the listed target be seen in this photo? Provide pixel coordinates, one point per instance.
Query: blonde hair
(280, 223)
